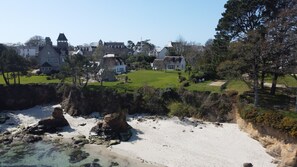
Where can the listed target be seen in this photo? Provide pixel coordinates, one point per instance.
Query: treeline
(257, 38)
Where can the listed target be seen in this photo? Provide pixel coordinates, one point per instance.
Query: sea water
(46, 154)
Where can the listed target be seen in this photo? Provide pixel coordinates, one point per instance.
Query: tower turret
(62, 42)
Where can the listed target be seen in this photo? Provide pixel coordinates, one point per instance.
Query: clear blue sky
(86, 21)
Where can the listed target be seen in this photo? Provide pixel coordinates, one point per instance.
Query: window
(170, 67)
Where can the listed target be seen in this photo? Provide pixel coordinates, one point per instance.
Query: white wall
(162, 53)
(28, 52)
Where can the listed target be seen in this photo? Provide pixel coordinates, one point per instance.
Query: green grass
(137, 79)
(238, 85)
(285, 80)
(156, 79)
(32, 79)
(204, 86)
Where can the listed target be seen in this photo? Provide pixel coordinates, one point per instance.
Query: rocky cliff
(19, 97)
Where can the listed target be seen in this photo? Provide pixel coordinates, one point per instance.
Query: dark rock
(114, 142)
(247, 165)
(77, 156)
(50, 125)
(6, 133)
(31, 138)
(114, 164)
(96, 160)
(217, 124)
(58, 113)
(6, 140)
(93, 164)
(82, 124)
(10, 124)
(3, 118)
(113, 127)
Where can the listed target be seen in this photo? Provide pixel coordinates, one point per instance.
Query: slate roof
(62, 37)
(173, 59)
(46, 64)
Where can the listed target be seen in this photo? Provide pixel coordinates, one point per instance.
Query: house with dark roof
(170, 63)
(52, 57)
(170, 58)
(117, 48)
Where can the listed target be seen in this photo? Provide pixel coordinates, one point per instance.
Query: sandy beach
(163, 141)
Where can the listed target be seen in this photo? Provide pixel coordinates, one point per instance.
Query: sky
(86, 21)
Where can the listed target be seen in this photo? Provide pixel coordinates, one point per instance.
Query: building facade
(52, 57)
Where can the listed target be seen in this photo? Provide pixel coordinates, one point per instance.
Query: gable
(48, 51)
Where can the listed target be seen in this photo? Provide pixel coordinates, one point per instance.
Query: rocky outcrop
(113, 127)
(50, 125)
(83, 102)
(3, 118)
(18, 97)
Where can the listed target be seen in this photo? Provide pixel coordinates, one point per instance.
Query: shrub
(185, 84)
(181, 79)
(269, 118)
(182, 110)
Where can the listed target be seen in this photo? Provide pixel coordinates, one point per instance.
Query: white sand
(164, 142)
(167, 142)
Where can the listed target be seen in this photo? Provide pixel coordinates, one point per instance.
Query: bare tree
(35, 41)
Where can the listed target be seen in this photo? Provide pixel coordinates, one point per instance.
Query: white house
(170, 63)
(170, 58)
(27, 51)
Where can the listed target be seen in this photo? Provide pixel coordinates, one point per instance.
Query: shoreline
(162, 141)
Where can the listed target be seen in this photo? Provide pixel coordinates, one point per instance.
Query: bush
(269, 118)
(185, 84)
(181, 110)
(181, 79)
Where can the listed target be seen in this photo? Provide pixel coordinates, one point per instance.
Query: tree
(12, 66)
(78, 68)
(144, 47)
(130, 45)
(282, 43)
(240, 21)
(3, 63)
(35, 41)
(99, 53)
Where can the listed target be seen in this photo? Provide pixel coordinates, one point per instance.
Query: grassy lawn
(156, 79)
(285, 80)
(204, 86)
(137, 79)
(237, 85)
(32, 79)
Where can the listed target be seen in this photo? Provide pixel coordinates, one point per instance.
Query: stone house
(113, 63)
(52, 57)
(116, 48)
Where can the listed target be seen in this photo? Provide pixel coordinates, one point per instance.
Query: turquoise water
(45, 154)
